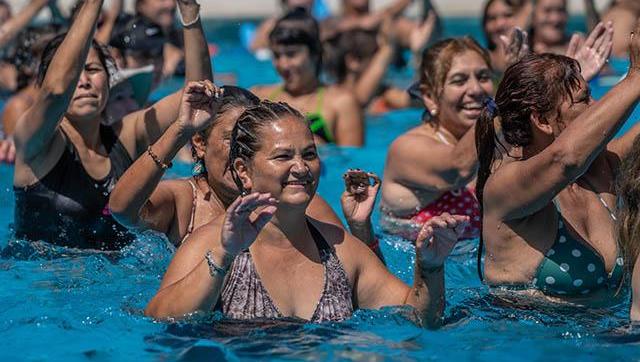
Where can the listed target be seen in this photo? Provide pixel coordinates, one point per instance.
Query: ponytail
(485, 147)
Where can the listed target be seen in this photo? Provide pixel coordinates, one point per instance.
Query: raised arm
(137, 201)
(151, 122)
(592, 16)
(376, 287)
(13, 26)
(37, 127)
(444, 168)
(349, 123)
(212, 248)
(569, 156)
(103, 35)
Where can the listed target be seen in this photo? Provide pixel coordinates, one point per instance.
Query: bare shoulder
(341, 97)
(412, 142)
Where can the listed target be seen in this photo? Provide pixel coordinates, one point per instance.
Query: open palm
(438, 237)
(239, 231)
(199, 104)
(592, 53)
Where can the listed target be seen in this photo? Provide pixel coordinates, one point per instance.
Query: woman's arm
(151, 122)
(349, 129)
(376, 287)
(443, 168)
(592, 16)
(635, 291)
(14, 25)
(37, 127)
(522, 188)
(136, 201)
(103, 35)
(200, 289)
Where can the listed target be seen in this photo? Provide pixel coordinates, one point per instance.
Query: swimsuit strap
(612, 215)
(192, 218)
(320, 241)
(319, 100)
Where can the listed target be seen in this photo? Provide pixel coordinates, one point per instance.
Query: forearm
(13, 26)
(103, 34)
(198, 291)
(196, 49)
(371, 78)
(397, 8)
(364, 232)
(427, 294)
(137, 184)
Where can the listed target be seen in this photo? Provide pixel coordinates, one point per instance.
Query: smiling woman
(267, 259)
(429, 169)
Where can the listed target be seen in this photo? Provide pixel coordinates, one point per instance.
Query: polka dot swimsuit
(457, 202)
(572, 267)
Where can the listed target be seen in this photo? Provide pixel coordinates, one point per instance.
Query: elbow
(120, 211)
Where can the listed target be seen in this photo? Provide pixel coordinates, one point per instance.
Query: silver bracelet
(214, 269)
(192, 22)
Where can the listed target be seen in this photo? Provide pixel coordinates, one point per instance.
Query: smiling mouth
(84, 96)
(298, 183)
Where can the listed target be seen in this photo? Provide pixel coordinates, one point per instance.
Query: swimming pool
(58, 304)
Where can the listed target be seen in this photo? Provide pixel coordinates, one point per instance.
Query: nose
(475, 88)
(83, 81)
(299, 167)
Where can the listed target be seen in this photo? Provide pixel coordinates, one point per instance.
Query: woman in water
(499, 18)
(430, 169)
(266, 237)
(333, 114)
(66, 161)
(546, 178)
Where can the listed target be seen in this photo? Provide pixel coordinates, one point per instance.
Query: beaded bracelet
(214, 269)
(157, 160)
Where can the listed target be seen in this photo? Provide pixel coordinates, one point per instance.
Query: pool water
(60, 304)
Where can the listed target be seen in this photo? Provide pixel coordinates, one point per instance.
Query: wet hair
(358, 43)
(52, 47)
(436, 63)
(537, 84)
(232, 98)
(628, 214)
(245, 137)
(298, 27)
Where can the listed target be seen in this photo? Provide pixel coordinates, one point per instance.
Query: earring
(198, 168)
(434, 112)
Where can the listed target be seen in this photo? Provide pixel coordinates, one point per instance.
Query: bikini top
(572, 267)
(317, 123)
(244, 297)
(68, 207)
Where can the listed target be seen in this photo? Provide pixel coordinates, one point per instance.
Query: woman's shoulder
(414, 141)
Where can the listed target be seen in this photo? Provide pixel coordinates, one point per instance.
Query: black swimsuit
(68, 207)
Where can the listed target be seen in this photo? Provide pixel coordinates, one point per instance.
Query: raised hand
(437, 238)
(199, 104)
(592, 53)
(239, 231)
(421, 34)
(516, 45)
(359, 196)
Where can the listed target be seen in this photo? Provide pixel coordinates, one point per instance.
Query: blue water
(59, 304)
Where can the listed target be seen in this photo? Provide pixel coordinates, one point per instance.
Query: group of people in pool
(511, 145)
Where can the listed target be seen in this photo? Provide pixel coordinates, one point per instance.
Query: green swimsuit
(317, 123)
(571, 267)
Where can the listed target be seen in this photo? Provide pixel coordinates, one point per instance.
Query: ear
(243, 173)
(430, 103)
(542, 124)
(199, 145)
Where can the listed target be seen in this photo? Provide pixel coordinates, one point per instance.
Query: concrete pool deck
(266, 8)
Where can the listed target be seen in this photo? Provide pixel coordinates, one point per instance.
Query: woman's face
(499, 20)
(572, 107)
(294, 65)
(466, 86)
(550, 21)
(287, 164)
(216, 154)
(92, 91)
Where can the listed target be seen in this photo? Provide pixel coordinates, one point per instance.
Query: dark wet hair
(436, 62)
(358, 43)
(245, 137)
(52, 47)
(537, 84)
(628, 214)
(26, 55)
(298, 27)
(232, 98)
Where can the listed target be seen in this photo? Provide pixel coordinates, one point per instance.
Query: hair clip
(491, 105)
